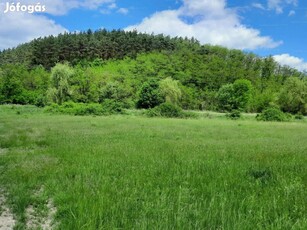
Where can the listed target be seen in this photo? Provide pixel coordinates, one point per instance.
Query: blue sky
(265, 27)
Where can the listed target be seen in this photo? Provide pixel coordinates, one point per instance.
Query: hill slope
(117, 65)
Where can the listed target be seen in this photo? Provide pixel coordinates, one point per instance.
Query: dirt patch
(7, 221)
(38, 218)
(49, 219)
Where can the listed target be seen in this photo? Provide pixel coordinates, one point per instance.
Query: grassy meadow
(133, 172)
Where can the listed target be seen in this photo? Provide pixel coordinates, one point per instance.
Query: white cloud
(258, 5)
(291, 13)
(92, 4)
(112, 6)
(275, 5)
(18, 27)
(294, 62)
(278, 5)
(105, 11)
(209, 22)
(199, 7)
(123, 11)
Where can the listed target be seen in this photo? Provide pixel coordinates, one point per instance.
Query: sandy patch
(37, 220)
(7, 221)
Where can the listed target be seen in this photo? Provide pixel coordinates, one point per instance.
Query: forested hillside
(88, 46)
(142, 71)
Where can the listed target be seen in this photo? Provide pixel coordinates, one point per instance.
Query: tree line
(78, 47)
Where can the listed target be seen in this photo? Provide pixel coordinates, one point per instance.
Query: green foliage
(262, 100)
(149, 95)
(169, 110)
(189, 98)
(235, 96)
(170, 90)
(84, 86)
(117, 92)
(293, 96)
(226, 97)
(242, 93)
(166, 110)
(234, 115)
(108, 107)
(89, 109)
(21, 86)
(273, 114)
(141, 70)
(83, 47)
(60, 83)
(11, 89)
(112, 107)
(299, 116)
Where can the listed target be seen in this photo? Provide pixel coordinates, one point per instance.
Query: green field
(133, 172)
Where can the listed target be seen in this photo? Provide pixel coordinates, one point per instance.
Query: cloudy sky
(265, 27)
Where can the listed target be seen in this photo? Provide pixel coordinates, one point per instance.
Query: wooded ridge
(143, 71)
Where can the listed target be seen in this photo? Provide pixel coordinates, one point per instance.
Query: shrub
(273, 114)
(170, 90)
(108, 107)
(112, 107)
(165, 110)
(262, 100)
(69, 107)
(225, 97)
(52, 108)
(234, 115)
(155, 112)
(234, 96)
(40, 101)
(89, 109)
(59, 91)
(293, 97)
(169, 110)
(299, 116)
(149, 95)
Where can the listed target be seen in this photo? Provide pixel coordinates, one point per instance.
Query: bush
(165, 110)
(262, 101)
(89, 109)
(299, 116)
(273, 114)
(52, 108)
(40, 101)
(108, 107)
(235, 96)
(293, 97)
(234, 115)
(112, 107)
(169, 110)
(149, 95)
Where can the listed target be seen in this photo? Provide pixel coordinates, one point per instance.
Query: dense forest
(136, 70)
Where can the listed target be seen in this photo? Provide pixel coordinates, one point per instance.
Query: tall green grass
(130, 172)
